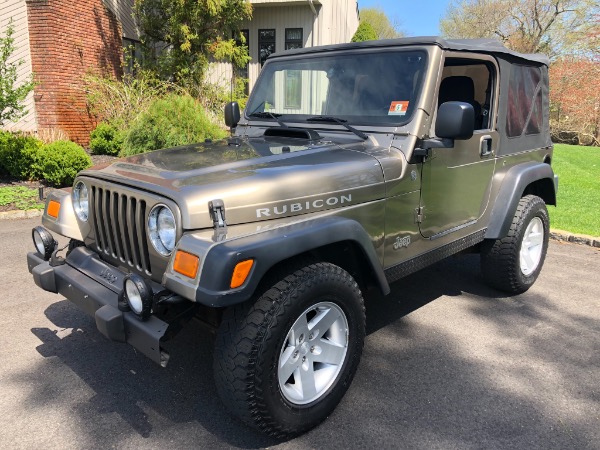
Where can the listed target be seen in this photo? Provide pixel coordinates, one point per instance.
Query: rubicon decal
(304, 206)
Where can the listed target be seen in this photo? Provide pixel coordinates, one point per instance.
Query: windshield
(375, 87)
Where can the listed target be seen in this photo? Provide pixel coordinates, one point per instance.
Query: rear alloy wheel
(532, 246)
(512, 264)
(283, 363)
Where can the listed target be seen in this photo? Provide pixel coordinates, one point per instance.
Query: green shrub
(106, 140)
(25, 157)
(168, 122)
(61, 162)
(119, 102)
(6, 152)
(19, 155)
(32, 160)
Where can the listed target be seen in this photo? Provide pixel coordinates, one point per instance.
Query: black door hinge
(419, 214)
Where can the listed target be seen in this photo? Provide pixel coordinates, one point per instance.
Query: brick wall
(67, 39)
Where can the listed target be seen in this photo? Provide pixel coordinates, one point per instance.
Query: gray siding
(338, 21)
(335, 22)
(17, 11)
(278, 18)
(123, 9)
(220, 73)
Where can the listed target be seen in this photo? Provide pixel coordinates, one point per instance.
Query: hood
(258, 179)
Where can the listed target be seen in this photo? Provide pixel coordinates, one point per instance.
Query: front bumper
(98, 297)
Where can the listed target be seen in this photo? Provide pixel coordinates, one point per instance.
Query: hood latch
(217, 212)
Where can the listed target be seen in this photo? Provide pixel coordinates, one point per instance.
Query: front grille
(119, 222)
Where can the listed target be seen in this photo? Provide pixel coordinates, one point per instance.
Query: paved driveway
(448, 363)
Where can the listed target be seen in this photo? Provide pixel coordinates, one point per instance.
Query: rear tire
(283, 363)
(512, 264)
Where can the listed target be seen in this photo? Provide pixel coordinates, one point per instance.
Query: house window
(293, 78)
(242, 72)
(132, 54)
(266, 44)
(293, 38)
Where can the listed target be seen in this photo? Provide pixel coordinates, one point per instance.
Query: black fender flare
(513, 186)
(271, 247)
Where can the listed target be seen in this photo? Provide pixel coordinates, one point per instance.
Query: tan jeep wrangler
(352, 166)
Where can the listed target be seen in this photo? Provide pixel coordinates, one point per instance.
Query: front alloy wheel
(313, 352)
(284, 362)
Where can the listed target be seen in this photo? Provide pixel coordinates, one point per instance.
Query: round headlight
(81, 203)
(162, 229)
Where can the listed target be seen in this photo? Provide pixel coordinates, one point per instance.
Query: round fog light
(43, 241)
(138, 295)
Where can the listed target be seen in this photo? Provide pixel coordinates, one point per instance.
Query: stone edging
(557, 235)
(565, 236)
(21, 214)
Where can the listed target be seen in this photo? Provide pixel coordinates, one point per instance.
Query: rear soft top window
(524, 115)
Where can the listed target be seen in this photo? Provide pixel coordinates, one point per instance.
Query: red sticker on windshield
(398, 108)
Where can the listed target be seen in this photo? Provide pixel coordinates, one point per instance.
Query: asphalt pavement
(448, 363)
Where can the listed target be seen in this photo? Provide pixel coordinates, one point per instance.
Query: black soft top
(489, 46)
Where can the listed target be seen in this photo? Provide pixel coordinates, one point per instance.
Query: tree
(384, 28)
(11, 96)
(529, 26)
(364, 32)
(185, 35)
(575, 100)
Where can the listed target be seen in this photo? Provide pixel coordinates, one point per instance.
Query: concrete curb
(565, 236)
(557, 235)
(21, 214)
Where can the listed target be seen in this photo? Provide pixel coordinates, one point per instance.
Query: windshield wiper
(268, 115)
(341, 122)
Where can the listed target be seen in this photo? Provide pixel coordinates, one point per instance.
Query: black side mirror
(232, 114)
(455, 120)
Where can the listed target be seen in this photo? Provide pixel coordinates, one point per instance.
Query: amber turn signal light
(186, 264)
(53, 209)
(240, 273)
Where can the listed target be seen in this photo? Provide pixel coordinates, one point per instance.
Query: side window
(524, 115)
(293, 38)
(471, 82)
(266, 44)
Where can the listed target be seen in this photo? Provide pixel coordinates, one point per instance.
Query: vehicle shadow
(451, 277)
(402, 389)
(128, 384)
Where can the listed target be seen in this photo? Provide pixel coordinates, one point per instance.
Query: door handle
(485, 146)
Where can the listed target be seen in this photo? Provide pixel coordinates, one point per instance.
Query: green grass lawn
(578, 169)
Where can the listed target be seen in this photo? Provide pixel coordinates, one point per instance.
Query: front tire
(512, 264)
(283, 363)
